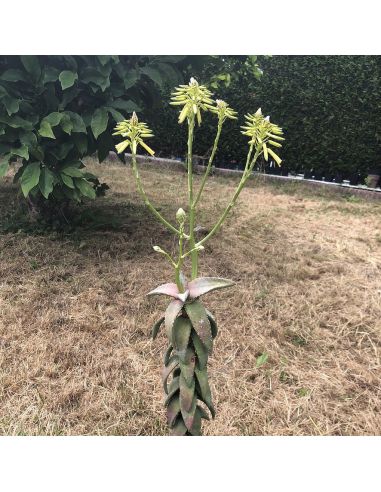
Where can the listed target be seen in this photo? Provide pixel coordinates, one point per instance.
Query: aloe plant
(190, 327)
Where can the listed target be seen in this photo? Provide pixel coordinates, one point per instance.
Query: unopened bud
(158, 249)
(134, 118)
(258, 112)
(180, 216)
(193, 81)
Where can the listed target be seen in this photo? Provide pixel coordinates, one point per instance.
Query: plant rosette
(190, 329)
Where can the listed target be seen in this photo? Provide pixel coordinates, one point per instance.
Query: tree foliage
(56, 110)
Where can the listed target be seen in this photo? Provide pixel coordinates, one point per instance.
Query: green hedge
(329, 107)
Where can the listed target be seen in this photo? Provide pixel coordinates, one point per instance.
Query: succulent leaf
(179, 429)
(180, 335)
(201, 350)
(195, 430)
(213, 323)
(171, 313)
(203, 387)
(170, 290)
(167, 355)
(187, 365)
(173, 410)
(188, 416)
(200, 321)
(202, 285)
(186, 393)
(203, 413)
(173, 389)
(167, 371)
(156, 328)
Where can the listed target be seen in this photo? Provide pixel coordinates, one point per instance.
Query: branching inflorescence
(190, 327)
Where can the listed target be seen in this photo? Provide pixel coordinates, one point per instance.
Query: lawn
(75, 349)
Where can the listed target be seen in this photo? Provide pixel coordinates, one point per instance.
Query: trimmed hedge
(328, 106)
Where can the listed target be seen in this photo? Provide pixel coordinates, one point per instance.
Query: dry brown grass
(75, 352)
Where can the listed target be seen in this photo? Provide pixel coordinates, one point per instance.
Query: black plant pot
(329, 177)
(354, 179)
(284, 171)
(308, 174)
(338, 178)
(318, 175)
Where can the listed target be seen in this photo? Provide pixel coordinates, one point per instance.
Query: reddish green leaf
(156, 327)
(203, 389)
(173, 410)
(195, 429)
(201, 350)
(187, 365)
(180, 336)
(167, 371)
(167, 355)
(179, 429)
(188, 415)
(173, 389)
(213, 323)
(186, 394)
(171, 313)
(197, 314)
(200, 286)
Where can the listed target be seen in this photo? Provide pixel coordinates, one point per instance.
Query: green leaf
(31, 65)
(80, 141)
(4, 166)
(46, 182)
(203, 389)
(130, 79)
(21, 152)
(186, 393)
(16, 122)
(67, 79)
(73, 172)
(54, 118)
(154, 74)
(11, 104)
(51, 74)
(78, 123)
(180, 335)
(29, 139)
(104, 59)
(115, 114)
(30, 177)
(201, 351)
(13, 75)
(200, 321)
(262, 359)
(67, 180)
(96, 77)
(156, 328)
(99, 121)
(46, 130)
(66, 124)
(173, 410)
(85, 188)
(127, 106)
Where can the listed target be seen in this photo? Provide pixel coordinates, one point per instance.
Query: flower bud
(180, 216)
(134, 118)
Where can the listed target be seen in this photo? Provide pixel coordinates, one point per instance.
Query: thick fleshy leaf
(186, 394)
(173, 410)
(167, 371)
(171, 313)
(167, 355)
(179, 429)
(172, 389)
(188, 416)
(213, 323)
(201, 350)
(170, 290)
(156, 328)
(200, 321)
(187, 365)
(204, 390)
(195, 430)
(180, 336)
(202, 285)
(203, 413)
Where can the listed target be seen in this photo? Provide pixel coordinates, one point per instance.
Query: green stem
(194, 254)
(180, 260)
(207, 171)
(245, 176)
(146, 199)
